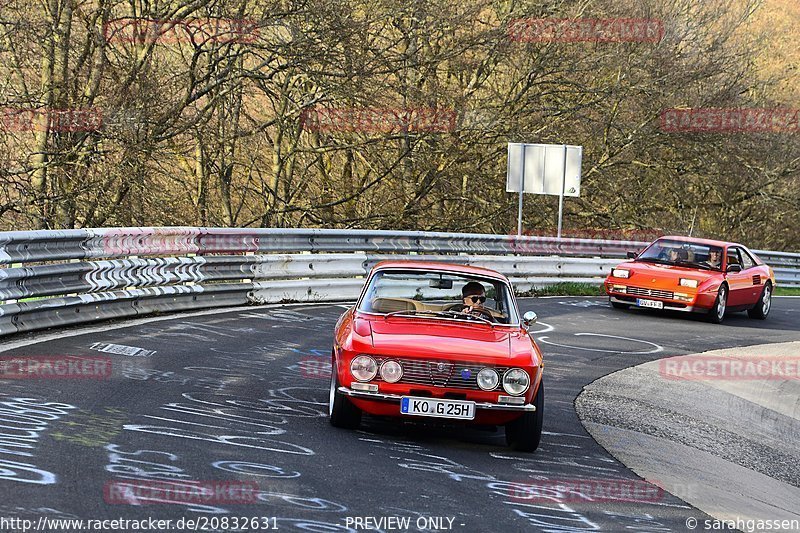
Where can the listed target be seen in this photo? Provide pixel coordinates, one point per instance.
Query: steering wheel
(461, 308)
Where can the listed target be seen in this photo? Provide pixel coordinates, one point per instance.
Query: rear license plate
(437, 408)
(650, 303)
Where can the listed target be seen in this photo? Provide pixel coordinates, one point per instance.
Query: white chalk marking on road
(547, 326)
(585, 303)
(566, 435)
(656, 348)
(183, 422)
(562, 445)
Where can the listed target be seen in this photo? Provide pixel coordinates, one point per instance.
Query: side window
(733, 256)
(747, 261)
(496, 294)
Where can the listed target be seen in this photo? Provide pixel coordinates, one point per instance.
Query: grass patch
(567, 288)
(787, 291)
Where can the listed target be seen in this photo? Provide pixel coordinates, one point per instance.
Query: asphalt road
(241, 396)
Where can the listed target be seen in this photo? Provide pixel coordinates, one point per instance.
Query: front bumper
(395, 398)
(668, 305)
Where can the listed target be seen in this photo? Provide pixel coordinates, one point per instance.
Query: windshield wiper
(693, 264)
(411, 312)
(457, 315)
(653, 260)
(408, 312)
(675, 263)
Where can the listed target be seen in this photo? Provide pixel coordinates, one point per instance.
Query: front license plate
(655, 304)
(437, 408)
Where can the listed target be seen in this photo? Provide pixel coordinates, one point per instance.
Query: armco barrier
(56, 278)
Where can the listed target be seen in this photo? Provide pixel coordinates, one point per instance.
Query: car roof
(436, 265)
(707, 242)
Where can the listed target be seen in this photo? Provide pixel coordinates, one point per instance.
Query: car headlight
(621, 273)
(488, 379)
(516, 381)
(688, 283)
(363, 368)
(391, 371)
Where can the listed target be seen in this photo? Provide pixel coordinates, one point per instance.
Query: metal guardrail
(56, 278)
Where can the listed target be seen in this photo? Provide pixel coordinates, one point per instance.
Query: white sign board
(542, 166)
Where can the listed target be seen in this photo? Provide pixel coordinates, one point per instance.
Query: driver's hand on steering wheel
(480, 312)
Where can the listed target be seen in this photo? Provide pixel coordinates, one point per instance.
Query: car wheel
(762, 307)
(717, 313)
(617, 305)
(343, 414)
(524, 433)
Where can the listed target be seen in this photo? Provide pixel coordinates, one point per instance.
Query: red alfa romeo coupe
(434, 340)
(693, 275)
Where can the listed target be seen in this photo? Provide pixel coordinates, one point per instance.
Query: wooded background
(208, 130)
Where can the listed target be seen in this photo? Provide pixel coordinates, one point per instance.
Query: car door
(739, 283)
(756, 280)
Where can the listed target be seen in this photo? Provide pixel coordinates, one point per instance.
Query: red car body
(742, 282)
(440, 357)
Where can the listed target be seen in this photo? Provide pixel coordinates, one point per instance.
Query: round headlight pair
(364, 368)
(515, 382)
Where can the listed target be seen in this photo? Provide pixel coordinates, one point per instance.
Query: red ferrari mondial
(693, 275)
(414, 347)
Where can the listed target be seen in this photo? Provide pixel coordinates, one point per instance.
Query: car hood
(435, 339)
(648, 272)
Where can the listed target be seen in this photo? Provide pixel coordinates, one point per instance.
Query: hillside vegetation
(185, 127)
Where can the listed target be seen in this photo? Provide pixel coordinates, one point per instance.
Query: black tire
(525, 433)
(764, 304)
(617, 305)
(717, 313)
(343, 414)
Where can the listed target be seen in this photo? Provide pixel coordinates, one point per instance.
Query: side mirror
(529, 318)
(631, 255)
(734, 268)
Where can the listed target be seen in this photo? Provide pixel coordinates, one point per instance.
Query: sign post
(521, 188)
(553, 169)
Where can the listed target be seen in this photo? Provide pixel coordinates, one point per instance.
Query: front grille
(654, 293)
(453, 374)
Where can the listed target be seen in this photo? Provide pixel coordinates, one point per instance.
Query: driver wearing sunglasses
(473, 296)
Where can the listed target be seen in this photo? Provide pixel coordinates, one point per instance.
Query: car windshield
(682, 253)
(430, 294)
